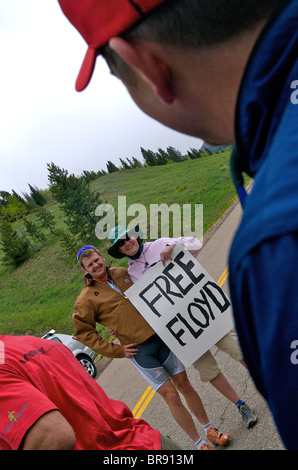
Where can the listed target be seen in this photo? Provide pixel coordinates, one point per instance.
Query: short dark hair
(195, 23)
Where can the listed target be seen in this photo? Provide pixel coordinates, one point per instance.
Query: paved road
(120, 380)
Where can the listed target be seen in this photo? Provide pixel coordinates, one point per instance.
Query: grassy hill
(40, 294)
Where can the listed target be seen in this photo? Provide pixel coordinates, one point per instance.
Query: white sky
(43, 118)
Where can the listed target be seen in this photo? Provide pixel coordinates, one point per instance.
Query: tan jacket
(100, 303)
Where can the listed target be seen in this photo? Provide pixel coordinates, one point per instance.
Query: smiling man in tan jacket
(103, 301)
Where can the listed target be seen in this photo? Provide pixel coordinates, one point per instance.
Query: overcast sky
(43, 119)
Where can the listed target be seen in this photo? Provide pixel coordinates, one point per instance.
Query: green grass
(203, 181)
(40, 294)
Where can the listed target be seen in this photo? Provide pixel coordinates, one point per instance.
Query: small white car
(82, 353)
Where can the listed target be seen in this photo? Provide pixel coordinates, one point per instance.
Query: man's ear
(154, 70)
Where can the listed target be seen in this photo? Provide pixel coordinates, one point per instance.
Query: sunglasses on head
(87, 247)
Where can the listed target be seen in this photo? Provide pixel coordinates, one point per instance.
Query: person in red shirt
(48, 401)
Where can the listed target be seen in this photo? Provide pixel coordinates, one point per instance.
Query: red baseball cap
(100, 20)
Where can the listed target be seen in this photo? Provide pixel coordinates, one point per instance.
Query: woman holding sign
(142, 256)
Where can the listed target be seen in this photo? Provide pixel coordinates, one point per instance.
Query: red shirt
(39, 375)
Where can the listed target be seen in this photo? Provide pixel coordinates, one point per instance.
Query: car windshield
(56, 339)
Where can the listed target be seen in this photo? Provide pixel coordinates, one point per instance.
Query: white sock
(206, 427)
(199, 443)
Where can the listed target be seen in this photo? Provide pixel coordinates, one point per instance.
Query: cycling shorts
(155, 362)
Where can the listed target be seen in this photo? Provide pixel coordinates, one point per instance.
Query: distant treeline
(14, 206)
(37, 225)
(161, 157)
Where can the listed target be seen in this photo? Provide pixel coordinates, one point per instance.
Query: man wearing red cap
(226, 71)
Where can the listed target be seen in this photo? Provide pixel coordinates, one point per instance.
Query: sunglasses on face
(120, 243)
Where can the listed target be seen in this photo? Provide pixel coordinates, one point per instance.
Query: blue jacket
(264, 254)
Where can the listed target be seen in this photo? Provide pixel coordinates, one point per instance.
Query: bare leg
(225, 388)
(178, 410)
(192, 398)
(221, 383)
(196, 406)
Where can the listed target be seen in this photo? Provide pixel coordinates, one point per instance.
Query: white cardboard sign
(184, 305)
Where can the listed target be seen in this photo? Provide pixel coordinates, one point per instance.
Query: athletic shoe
(218, 438)
(247, 415)
(205, 446)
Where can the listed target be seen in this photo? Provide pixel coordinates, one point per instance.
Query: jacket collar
(88, 279)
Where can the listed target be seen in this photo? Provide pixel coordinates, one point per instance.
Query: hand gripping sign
(184, 305)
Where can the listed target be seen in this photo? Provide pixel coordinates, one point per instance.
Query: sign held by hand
(184, 305)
